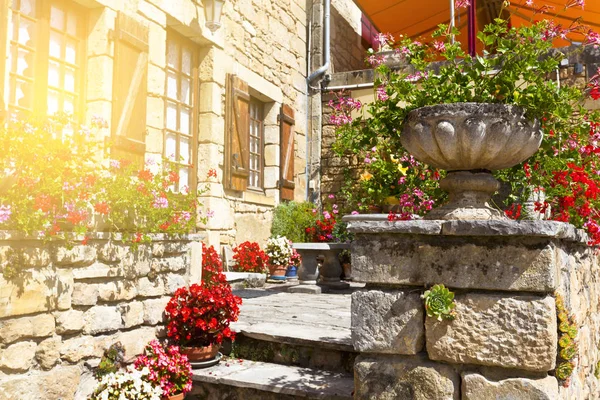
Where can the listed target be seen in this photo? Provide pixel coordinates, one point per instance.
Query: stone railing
(62, 306)
(504, 340)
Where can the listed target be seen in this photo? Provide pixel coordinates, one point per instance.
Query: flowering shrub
(128, 384)
(167, 367)
(212, 267)
(200, 316)
(250, 258)
(52, 180)
(516, 68)
(295, 258)
(279, 250)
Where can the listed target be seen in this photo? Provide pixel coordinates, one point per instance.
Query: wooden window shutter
(286, 168)
(130, 80)
(237, 131)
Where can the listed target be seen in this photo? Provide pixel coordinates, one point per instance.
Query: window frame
(182, 41)
(261, 137)
(41, 59)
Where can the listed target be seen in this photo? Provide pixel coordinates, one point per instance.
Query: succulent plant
(439, 303)
(564, 370)
(569, 352)
(565, 341)
(597, 372)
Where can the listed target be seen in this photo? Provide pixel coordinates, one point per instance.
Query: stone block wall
(503, 342)
(66, 304)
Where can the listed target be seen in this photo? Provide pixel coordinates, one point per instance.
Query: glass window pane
(55, 45)
(184, 177)
(54, 74)
(173, 55)
(26, 33)
(72, 24)
(186, 62)
(71, 52)
(69, 84)
(184, 150)
(27, 7)
(171, 116)
(69, 105)
(172, 85)
(185, 95)
(23, 95)
(52, 102)
(184, 121)
(171, 147)
(24, 63)
(57, 18)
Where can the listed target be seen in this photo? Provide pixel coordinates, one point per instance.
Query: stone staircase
(288, 346)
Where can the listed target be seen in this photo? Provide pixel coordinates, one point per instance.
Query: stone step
(295, 329)
(237, 379)
(243, 280)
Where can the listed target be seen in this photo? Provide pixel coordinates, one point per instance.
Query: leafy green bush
(291, 220)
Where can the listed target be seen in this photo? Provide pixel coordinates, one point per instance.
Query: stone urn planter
(470, 140)
(319, 262)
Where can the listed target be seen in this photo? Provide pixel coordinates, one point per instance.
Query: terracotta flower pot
(199, 354)
(178, 396)
(277, 272)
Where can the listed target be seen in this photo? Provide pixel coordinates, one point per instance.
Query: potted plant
(198, 317)
(279, 250)
(127, 384)
(470, 114)
(250, 257)
(292, 270)
(168, 369)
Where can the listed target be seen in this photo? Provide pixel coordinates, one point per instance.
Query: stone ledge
(20, 236)
(378, 223)
(281, 379)
(492, 263)
(496, 330)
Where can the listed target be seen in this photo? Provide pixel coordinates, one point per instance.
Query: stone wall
(503, 342)
(65, 305)
(347, 50)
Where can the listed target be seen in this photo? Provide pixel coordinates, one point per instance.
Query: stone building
(233, 100)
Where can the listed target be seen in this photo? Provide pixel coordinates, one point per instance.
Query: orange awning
(419, 18)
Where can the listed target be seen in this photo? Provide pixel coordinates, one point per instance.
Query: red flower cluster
(200, 315)
(212, 267)
(250, 258)
(323, 230)
(168, 368)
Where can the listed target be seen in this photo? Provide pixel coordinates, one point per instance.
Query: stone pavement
(296, 318)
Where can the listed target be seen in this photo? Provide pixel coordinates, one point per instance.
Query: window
(180, 108)
(255, 176)
(45, 60)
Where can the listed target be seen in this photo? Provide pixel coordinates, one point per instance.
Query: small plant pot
(178, 396)
(200, 354)
(291, 273)
(277, 272)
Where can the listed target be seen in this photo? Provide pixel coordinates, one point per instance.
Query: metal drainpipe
(322, 69)
(452, 18)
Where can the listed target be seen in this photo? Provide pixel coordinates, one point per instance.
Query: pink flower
(160, 202)
(5, 213)
(326, 215)
(462, 3)
(354, 213)
(331, 196)
(382, 94)
(439, 46)
(210, 213)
